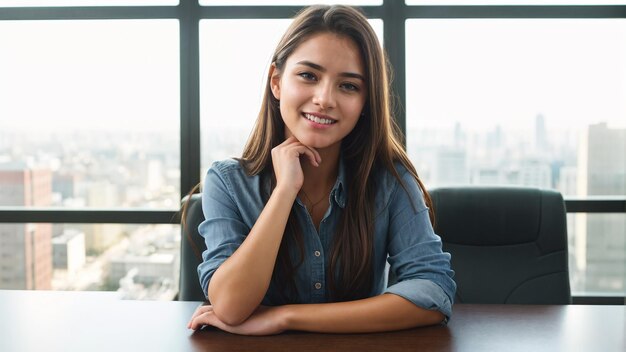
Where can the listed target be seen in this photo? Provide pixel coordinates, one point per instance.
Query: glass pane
(31, 3)
(515, 2)
(135, 261)
(597, 254)
(90, 113)
(525, 102)
(287, 2)
(231, 88)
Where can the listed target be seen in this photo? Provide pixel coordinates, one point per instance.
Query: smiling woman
(299, 228)
(323, 90)
(254, 40)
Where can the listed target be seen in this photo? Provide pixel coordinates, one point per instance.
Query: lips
(322, 120)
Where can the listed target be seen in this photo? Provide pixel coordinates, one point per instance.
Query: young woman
(299, 229)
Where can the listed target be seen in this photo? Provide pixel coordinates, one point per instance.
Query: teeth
(319, 120)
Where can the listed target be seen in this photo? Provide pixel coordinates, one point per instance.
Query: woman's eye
(307, 76)
(349, 86)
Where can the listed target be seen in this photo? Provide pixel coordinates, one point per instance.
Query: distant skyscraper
(459, 136)
(535, 173)
(567, 180)
(450, 167)
(541, 134)
(495, 138)
(69, 251)
(600, 241)
(25, 249)
(65, 184)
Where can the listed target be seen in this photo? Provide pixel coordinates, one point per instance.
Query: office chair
(191, 248)
(508, 245)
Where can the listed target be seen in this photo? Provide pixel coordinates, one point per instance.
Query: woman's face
(322, 90)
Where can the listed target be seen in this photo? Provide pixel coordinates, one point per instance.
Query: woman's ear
(275, 81)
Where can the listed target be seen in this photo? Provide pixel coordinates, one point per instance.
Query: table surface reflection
(92, 321)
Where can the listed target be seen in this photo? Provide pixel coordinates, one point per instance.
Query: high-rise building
(535, 173)
(65, 184)
(25, 249)
(450, 167)
(69, 251)
(600, 243)
(99, 237)
(541, 134)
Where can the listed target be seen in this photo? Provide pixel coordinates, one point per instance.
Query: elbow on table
(230, 313)
(436, 317)
(228, 309)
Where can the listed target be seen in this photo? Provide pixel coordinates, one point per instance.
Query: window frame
(393, 13)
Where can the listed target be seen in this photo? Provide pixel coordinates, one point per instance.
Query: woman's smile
(319, 120)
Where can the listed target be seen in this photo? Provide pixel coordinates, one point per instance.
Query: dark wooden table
(90, 321)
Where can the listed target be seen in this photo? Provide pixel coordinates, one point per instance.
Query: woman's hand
(264, 321)
(286, 162)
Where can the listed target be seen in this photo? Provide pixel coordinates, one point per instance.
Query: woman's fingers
(315, 157)
(310, 153)
(206, 318)
(199, 311)
(286, 159)
(264, 321)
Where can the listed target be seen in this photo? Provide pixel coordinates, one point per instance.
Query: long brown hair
(374, 144)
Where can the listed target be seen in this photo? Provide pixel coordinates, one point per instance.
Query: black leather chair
(191, 248)
(508, 245)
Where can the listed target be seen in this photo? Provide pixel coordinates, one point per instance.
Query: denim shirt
(232, 201)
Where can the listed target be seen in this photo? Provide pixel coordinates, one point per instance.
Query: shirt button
(318, 285)
(317, 253)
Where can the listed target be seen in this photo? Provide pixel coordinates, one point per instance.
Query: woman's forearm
(386, 312)
(240, 283)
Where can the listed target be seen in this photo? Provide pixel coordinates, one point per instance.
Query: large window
(90, 109)
(110, 112)
(533, 102)
(530, 102)
(234, 59)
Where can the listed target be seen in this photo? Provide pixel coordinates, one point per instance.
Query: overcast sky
(125, 74)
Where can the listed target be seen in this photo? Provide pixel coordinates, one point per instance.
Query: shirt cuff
(424, 294)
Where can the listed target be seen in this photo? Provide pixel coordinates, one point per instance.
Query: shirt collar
(339, 190)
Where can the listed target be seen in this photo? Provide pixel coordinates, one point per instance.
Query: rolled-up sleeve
(223, 229)
(416, 259)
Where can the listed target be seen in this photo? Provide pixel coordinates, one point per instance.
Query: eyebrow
(321, 68)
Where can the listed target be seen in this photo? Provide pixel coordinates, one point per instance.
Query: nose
(324, 96)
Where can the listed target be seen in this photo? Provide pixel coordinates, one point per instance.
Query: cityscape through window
(90, 118)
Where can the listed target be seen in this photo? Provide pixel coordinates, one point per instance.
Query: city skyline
(126, 169)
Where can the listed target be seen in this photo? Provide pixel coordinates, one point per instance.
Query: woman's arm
(241, 281)
(386, 312)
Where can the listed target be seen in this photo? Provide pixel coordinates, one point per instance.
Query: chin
(322, 145)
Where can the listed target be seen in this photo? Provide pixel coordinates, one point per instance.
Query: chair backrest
(508, 244)
(191, 247)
